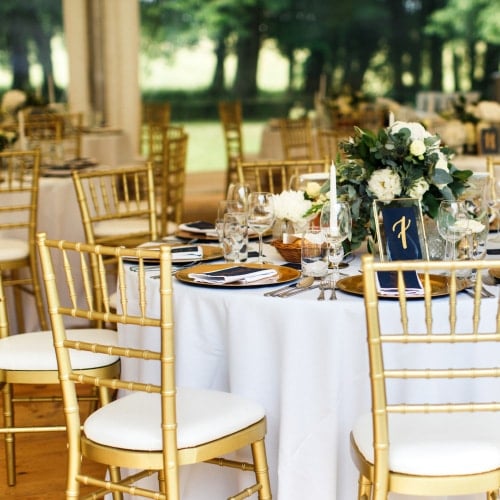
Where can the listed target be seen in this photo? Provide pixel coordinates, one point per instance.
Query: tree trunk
(42, 40)
(217, 86)
(17, 44)
(247, 50)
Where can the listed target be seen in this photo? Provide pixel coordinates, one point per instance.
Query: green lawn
(206, 149)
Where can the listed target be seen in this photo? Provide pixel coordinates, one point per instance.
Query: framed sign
(488, 141)
(400, 229)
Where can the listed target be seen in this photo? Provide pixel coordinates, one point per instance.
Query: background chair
(433, 428)
(117, 205)
(231, 118)
(296, 139)
(170, 181)
(153, 113)
(275, 176)
(154, 427)
(19, 174)
(328, 141)
(29, 359)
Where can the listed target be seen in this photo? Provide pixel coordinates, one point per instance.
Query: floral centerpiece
(402, 160)
(291, 210)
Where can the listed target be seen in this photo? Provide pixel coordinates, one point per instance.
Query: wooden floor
(41, 458)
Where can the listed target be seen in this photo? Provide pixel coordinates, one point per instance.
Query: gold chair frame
(296, 139)
(20, 172)
(392, 413)
(275, 176)
(165, 457)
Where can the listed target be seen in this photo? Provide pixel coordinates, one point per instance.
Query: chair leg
(261, 469)
(37, 293)
(364, 488)
(18, 302)
(492, 495)
(10, 444)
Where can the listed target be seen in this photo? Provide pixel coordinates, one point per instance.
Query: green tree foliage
(27, 28)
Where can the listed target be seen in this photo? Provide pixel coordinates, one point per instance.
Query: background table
(305, 361)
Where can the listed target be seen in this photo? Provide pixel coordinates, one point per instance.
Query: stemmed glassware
(452, 224)
(335, 221)
(260, 215)
(239, 193)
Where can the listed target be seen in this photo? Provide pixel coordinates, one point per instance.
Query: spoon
(304, 282)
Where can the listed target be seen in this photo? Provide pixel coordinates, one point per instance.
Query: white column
(110, 77)
(121, 66)
(75, 33)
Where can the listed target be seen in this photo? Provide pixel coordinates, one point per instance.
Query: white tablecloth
(304, 360)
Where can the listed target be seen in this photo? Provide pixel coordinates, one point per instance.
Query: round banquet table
(304, 360)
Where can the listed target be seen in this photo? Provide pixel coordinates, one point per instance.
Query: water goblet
(239, 193)
(260, 215)
(335, 221)
(452, 224)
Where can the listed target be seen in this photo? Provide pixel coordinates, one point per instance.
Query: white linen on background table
(304, 360)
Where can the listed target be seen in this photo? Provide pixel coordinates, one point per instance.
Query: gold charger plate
(210, 252)
(439, 286)
(495, 272)
(285, 275)
(188, 235)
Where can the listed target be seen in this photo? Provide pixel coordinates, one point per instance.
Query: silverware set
(323, 287)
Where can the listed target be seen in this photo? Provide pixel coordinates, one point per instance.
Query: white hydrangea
(291, 205)
(417, 131)
(418, 188)
(385, 184)
(475, 226)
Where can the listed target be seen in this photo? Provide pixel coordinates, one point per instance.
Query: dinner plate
(285, 275)
(439, 286)
(210, 252)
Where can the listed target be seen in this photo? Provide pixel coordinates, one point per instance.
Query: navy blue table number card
(401, 232)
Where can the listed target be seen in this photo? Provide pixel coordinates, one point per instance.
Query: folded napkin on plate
(199, 226)
(233, 274)
(387, 283)
(191, 252)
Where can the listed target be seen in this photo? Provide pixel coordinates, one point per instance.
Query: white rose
(418, 188)
(417, 131)
(475, 226)
(417, 147)
(385, 184)
(313, 189)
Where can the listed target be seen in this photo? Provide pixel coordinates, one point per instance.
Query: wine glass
(335, 221)
(452, 224)
(260, 215)
(239, 193)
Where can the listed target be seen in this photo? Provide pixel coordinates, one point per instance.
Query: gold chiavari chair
(433, 425)
(170, 183)
(492, 166)
(275, 176)
(117, 205)
(19, 177)
(156, 427)
(328, 141)
(231, 118)
(29, 359)
(296, 138)
(153, 113)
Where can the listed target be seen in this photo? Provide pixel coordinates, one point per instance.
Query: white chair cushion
(133, 422)
(437, 444)
(122, 226)
(35, 350)
(12, 248)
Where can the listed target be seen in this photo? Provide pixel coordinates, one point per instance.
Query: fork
(322, 288)
(333, 296)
